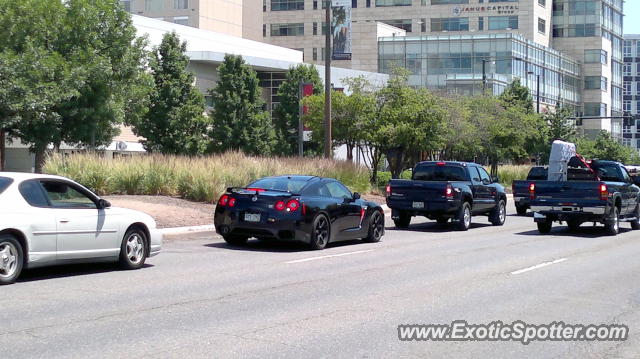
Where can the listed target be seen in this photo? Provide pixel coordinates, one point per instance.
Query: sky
(631, 18)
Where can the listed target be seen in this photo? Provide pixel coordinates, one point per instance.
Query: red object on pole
(307, 90)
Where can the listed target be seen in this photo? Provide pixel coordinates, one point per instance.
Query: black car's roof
(457, 163)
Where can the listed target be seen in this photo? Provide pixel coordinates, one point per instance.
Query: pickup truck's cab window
(609, 172)
(439, 173)
(537, 174)
(484, 176)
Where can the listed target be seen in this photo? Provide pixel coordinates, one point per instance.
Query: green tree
(175, 122)
(605, 147)
(409, 121)
(79, 60)
(239, 120)
(517, 95)
(561, 127)
(287, 112)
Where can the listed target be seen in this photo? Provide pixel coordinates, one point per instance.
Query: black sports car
(307, 209)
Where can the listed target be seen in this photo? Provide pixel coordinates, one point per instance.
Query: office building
(631, 91)
(572, 47)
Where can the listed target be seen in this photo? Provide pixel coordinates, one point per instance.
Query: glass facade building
(455, 64)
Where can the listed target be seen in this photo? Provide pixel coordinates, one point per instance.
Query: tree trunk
(39, 158)
(350, 152)
(2, 149)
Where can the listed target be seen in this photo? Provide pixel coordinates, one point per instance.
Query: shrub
(510, 173)
(194, 178)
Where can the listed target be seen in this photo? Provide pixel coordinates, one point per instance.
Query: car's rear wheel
(11, 259)
(499, 214)
(635, 224)
(544, 227)
(464, 217)
(235, 240)
(403, 220)
(521, 210)
(133, 250)
(613, 224)
(320, 232)
(376, 227)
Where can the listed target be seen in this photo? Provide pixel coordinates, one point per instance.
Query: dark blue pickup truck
(447, 190)
(603, 193)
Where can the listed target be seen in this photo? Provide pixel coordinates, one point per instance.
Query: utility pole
(300, 125)
(328, 147)
(484, 76)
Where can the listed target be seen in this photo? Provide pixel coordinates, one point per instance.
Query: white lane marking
(537, 266)
(328, 256)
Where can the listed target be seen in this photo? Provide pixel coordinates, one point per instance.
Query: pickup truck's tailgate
(417, 190)
(567, 194)
(521, 188)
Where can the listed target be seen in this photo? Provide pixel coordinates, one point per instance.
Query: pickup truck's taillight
(448, 192)
(604, 192)
(532, 190)
(388, 190)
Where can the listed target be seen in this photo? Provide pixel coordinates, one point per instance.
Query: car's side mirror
(636, 180)
(103, 203)
(356, 196)
(495, 179)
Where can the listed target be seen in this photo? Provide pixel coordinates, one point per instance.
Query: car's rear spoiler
(258, 190)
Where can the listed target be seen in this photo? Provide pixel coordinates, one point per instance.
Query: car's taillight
(532, 190)
(440, 163)
(293, 205)
(388, 190)
(362, 213)
(448, 192)
(604, 192)
(232, 202)
(223, 200)
(280, 205)
(255, 189)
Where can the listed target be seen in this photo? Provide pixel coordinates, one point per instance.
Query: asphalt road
(202, 298)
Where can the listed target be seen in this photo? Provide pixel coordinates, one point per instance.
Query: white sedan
(48, 220)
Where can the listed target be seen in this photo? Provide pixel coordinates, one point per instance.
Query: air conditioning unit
(121, 146)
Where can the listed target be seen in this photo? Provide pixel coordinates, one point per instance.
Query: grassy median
(195, 178)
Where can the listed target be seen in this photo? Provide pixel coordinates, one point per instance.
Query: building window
(444, 2)
(595, 83)
(382, 3)
(180, 4)
(315, 28)
(627, 48)
(354, 4)
(638, 69)
(626, 88)
(450, 24)
(595, 56)
(542, 3)
(126, 5)
(315, 54)
(296, 29)
(286, 5)
(368, 3)
(264, 5)
(542, 26)
(153, 5)
(503, 22)
(264, 30)
(481, 23)
(626, 106)
(315, 4)
(595, 109)
(423, 25)
(404, 24)
(181, 20)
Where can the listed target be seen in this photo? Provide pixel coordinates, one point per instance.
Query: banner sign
(341, 26)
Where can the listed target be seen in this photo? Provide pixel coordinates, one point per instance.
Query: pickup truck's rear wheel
(635, 224)
(544, 227)
(403, 220)
(499, 214)
(464, 217)
(521, 210)
(613, 223)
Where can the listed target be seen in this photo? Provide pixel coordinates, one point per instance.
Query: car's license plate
(418, 204)
(252, 217)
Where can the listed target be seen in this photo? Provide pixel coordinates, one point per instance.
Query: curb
(188, 229)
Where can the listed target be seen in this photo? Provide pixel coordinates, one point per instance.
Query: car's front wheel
(376, 227)
(320, 232)
(11, 259)
(133, 250)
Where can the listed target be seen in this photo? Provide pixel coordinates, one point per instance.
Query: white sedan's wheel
(133, 252)
(10, 259)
